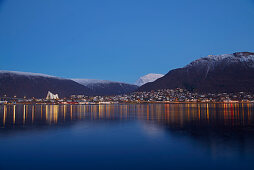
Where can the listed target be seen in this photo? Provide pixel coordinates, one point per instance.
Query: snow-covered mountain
(212, 61)
(148, 78)
(92, 82)
(214, 73)
(20, 84)
(106, 87)
(26, 74)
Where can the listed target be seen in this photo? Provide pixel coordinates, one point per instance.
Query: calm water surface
(138, 136)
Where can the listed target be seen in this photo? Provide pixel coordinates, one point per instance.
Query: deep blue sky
(119, 40)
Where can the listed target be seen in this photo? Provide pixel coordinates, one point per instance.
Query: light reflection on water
(180, 115)
(138, 136)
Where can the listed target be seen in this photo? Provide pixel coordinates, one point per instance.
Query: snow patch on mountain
(148, 78)
(213, 60)
(95, 82)
(106, 87)
(27, 74)
(87, 82)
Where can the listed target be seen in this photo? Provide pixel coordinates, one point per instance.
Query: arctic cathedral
(51, 96)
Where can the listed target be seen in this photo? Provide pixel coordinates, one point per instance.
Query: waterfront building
(51, 96)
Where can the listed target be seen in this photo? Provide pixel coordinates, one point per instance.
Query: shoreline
(235, 102)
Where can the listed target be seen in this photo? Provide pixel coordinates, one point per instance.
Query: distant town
(158, 96)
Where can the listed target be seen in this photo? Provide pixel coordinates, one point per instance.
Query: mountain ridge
(148, 78)
(214, 73)
(20, 84)
(106, 87)
(23, 84)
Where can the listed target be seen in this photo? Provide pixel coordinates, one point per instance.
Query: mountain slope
(22, 84)
(148, 78)
(217, 73)
(105, 87)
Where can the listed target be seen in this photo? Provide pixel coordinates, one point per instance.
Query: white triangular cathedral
(51, 96)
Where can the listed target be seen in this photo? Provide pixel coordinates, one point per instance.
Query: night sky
(119, 40)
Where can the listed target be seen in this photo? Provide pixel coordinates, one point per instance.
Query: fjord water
(127, 136)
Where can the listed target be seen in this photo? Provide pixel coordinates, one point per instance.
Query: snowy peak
(92, 82)
(227, 73)
(89, 82)
(213, 60)
(37, 85)
(148, 78)
(27, 74)
(243, 54)
(106, 87)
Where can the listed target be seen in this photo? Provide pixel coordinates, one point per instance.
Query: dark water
(142, 136)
